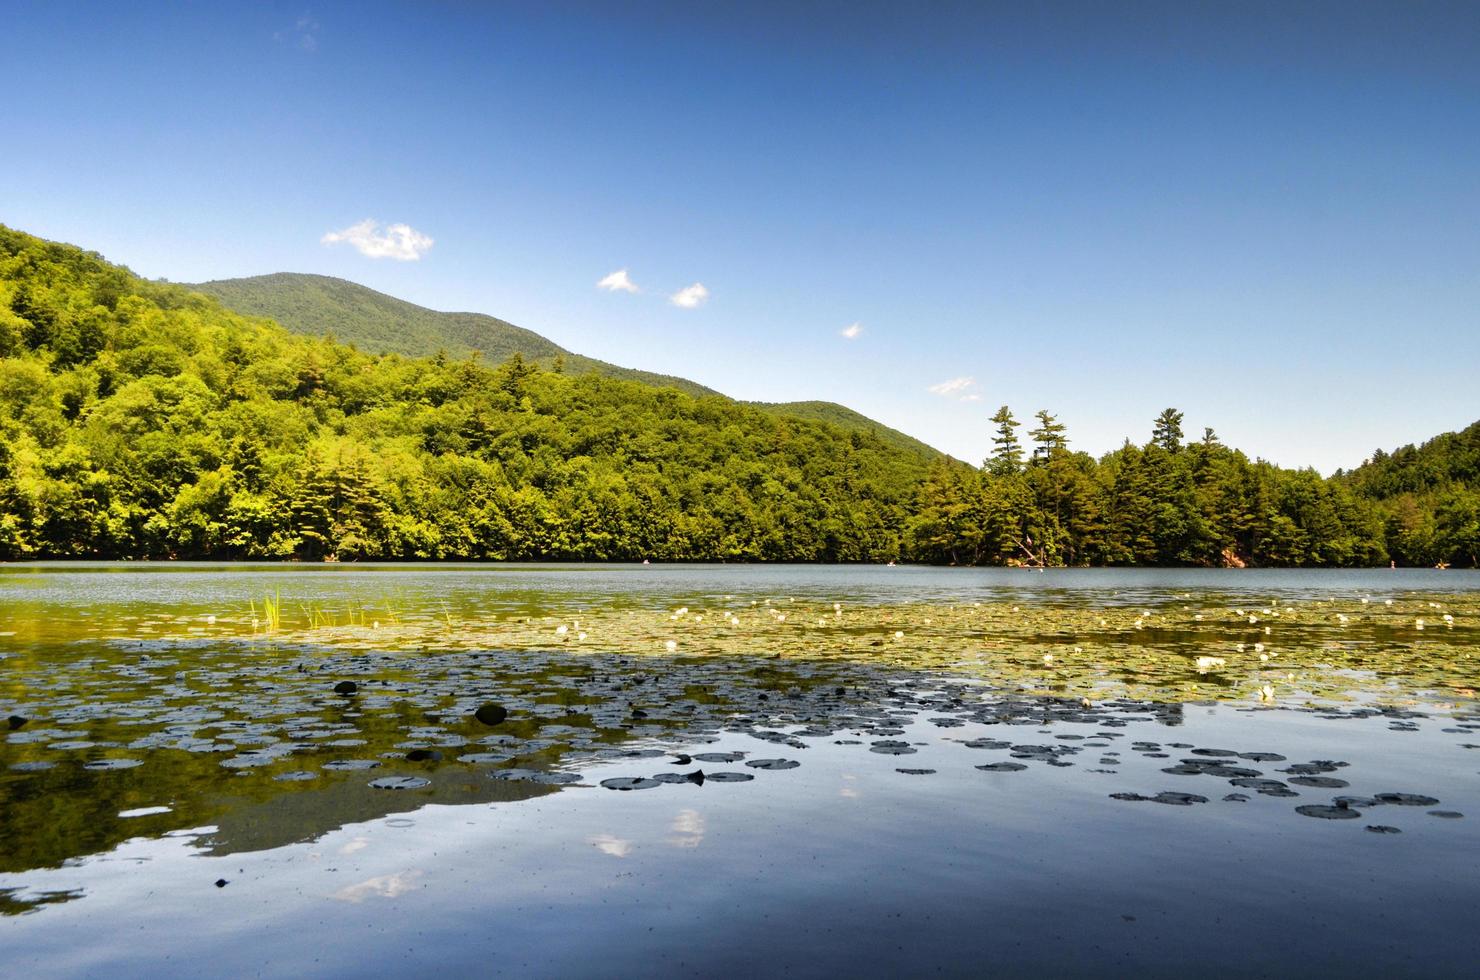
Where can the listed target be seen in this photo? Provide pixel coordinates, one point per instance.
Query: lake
(547, 770)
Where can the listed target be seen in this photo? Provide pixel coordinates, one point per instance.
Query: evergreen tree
(1168, 431)
(1049, 438)
(1007, 452)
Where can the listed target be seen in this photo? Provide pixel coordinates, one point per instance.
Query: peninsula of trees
(146, 420)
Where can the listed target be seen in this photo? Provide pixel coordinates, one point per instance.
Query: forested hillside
(1173, 501)
(141, 419)
(322, 306)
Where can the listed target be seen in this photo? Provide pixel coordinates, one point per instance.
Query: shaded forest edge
(143, 420)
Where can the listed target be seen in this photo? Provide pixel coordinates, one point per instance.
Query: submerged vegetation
(143, 420)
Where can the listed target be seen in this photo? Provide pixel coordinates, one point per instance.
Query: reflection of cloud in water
(607, 844)
(382, 886)
(358, 844)
(688, 829)
(846, 791)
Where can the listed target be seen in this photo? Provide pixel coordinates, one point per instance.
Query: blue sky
(1265, 216)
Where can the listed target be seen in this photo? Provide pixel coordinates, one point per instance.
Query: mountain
(141, 419)
(323, 306)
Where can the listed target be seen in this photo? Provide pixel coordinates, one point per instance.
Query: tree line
(142, 420)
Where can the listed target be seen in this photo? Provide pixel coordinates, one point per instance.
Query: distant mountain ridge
(381, 324)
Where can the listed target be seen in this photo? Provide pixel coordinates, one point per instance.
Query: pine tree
(1168, 431)
(1007, 452)
(1049, 437)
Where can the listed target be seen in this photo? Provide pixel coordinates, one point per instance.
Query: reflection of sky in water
(841, 864)
(963, 868)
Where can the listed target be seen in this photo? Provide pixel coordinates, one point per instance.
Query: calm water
(877, 771)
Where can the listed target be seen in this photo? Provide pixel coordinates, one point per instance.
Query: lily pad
(1324, 811)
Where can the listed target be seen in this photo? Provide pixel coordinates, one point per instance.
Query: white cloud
(618, 282)
(956, 388)
(304, 35)
(690, 296)
(851, 331)
(401, 242)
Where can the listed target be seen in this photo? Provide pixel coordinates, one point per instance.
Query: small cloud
(618, 282)
(851, 331)
(690, 296)
(401, 242)
(958, 389)
(304, 34)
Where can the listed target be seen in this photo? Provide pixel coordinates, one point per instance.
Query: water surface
(703, 769)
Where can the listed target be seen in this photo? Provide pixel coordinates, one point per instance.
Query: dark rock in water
(222, 882)
(1002, 767)
(1382, 828)
(696, 777)
(491, 714)
(625, 783)
(917, 772)
(15, 721)
(1262, 756)
(1236, 798)
(1178, 799)
(1446, 814)
(1128, 797)
(1404, 799)
(399, 782)
(1216, 753)
(986, 743)
(681, 760)
(346, 687)
(1320, 782)
(729, 777)
(773, 764)
(1325, 812)
(423, 755)
(891, 746)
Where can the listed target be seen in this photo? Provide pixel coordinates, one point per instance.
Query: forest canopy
(143, 420)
